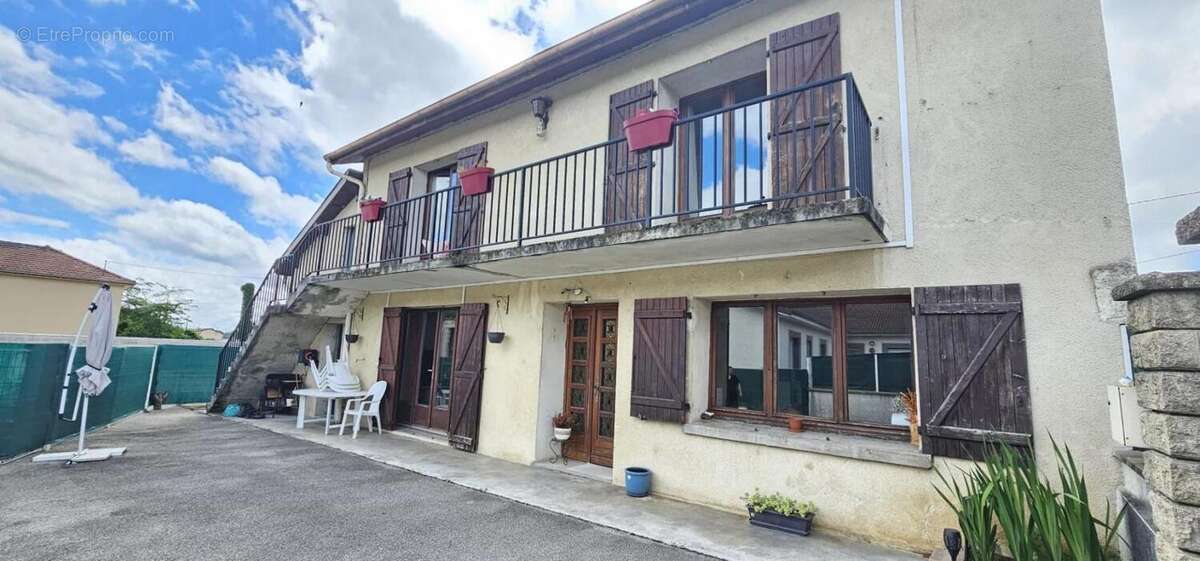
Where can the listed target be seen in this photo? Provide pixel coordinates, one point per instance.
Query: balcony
(780, 174)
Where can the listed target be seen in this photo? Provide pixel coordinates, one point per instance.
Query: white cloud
(114, 124)
(13, 217)
(174, 114)
(138, 53)
(269, 203)
(32, 70)
(187, 5)
(151, 150)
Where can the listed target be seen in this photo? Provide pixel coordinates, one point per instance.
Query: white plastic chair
(367, 406)
(320, 375)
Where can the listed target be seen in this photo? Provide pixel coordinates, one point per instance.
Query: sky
(180, 141)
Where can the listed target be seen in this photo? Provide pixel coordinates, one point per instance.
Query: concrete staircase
(274, 341)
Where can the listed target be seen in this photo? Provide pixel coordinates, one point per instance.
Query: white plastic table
(329, 395)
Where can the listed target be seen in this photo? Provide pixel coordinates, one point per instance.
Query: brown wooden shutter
(389, 365)
(467, 221)
(466, 378)
(659, 391)
(394, 217)
(973, 382)
(806, 147)
(627, 174)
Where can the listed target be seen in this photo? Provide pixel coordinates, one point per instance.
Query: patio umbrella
(93, 377)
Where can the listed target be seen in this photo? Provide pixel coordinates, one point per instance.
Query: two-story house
(859, 199)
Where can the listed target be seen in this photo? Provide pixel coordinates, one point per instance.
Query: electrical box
(1125, 416)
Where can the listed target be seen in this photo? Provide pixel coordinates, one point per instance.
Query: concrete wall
(1016, 179)
(48, 306)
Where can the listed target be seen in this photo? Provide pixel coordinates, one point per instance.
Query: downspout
(362, 187)
(902, 87)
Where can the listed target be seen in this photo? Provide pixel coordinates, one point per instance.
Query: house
(210, 334)
(859, 199)
(46, 291)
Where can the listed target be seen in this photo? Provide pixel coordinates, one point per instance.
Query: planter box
(371, 209)
(476, 181)
(791, 524)
(650, 129)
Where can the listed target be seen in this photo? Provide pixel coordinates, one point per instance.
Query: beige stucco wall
(48, 306)
(1016, 179)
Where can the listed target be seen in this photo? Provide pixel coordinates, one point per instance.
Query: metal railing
(810, 144)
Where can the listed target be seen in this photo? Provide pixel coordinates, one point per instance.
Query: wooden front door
(591, 381)
(425, 377)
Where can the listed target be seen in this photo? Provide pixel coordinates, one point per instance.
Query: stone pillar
(1164, 321)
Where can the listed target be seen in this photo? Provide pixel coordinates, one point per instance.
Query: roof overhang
(613, 38)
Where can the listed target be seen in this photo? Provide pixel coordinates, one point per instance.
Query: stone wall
(1164, 321)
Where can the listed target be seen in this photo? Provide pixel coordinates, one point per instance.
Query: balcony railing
(810, 144)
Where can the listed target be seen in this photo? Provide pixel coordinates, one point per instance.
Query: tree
(151, 309)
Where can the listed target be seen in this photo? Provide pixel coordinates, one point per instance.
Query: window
(439, 210)
(722, 154)
(814, 359)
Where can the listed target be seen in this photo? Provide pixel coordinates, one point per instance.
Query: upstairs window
(722, 154)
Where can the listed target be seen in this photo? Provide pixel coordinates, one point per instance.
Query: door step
(422, 434)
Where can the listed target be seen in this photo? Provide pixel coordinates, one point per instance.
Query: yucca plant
(1005, 470)
(1079, 527)
(972, 505)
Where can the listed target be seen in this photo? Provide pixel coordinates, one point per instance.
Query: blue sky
(179, 141)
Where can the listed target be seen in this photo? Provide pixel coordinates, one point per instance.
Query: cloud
(13, 217)
(140, 54)
(269, 204)
(32, 71)
(114, 124)
(187, 5)
(174, 114)
(151, 150)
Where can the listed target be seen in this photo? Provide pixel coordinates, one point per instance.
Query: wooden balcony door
(425, 375)
(591, 382)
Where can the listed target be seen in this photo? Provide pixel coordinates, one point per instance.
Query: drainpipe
(362, 187)
(902, 87)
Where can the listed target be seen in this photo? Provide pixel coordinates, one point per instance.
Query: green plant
(1009, 500)
(1079, 533)
(972, 505)
(778, 503)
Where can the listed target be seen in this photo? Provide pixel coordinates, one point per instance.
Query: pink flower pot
(371, 209)
(476, 181)
(650, 129)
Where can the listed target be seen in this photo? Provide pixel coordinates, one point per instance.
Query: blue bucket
(637, 481)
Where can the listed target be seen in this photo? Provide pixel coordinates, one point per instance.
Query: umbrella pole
(66, 387)
(83, 426)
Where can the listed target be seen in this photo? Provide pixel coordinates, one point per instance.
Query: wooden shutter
(806, 147)
(395, 217)
(973, 382)
(659, 391)
(466, 377)
(626, 174)
(466, 226)
(389, 365)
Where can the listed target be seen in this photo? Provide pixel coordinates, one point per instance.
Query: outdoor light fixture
(541, 111)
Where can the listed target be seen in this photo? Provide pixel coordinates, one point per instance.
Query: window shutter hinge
(687, 315)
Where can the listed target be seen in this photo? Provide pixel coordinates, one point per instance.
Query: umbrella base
(89, 455)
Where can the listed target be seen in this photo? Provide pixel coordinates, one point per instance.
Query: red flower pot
(476, 181)
(371, 209)
(650, 129)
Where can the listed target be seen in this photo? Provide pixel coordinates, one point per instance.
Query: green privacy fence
(31, 375)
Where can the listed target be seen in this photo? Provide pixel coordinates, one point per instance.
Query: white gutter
(902, 87)
(362, 187)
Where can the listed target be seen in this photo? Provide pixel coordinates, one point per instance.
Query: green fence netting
(31, 374)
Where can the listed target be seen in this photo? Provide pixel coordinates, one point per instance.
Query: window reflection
(739, 356)
(804, 369)
(879, 364)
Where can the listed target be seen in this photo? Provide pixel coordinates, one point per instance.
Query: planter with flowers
(780, 513)
(563, 422)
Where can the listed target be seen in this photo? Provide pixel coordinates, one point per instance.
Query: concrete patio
(576, 493)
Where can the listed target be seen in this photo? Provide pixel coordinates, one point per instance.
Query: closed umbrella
(93, 377)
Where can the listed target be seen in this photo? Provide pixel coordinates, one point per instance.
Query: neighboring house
(209, 334)
(45, 291)
(811, 244)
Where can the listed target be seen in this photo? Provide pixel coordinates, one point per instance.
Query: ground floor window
(839, 363)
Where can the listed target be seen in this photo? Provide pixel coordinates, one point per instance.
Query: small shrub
(777, 502)
(565, 420)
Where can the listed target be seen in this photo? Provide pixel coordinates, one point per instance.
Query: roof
(45, 261)
(615, 37)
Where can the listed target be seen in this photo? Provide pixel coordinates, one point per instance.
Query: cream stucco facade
(1016, 178)
(42, 305)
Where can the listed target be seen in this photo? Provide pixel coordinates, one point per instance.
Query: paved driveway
(195, 487)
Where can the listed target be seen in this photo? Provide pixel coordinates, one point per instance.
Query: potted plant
(795, 424)
(495, 337)
(476, 180)
(650, 129)
(371, 209)
(157, 399)
(780, 513)
(562, 425)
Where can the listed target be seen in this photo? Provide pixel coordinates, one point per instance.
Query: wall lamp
(541, 111)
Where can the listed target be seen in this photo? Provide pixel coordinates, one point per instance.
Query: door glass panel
(606, 401)
(804, 375)
(605, 428)
(580, 328)
(445, 359)
(610, 328)
(739, 357)
(879, 363)
(608, 376)
(579, 350)
(425, 377)
(577, 398)
(609, 352)
(578, 374)
(704, 151)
